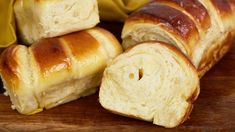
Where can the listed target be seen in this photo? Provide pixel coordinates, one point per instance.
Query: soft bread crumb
(152, 82)
(51, 18)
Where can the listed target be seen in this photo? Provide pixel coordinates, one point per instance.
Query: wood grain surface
(213, 111)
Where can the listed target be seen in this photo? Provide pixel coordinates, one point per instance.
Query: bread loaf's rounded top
(222, 7)
(8, 62)
(173, 19)
(192, 7)
(50, 55)
(81, 43)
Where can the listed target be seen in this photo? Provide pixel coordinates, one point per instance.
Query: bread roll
(57, 70)
(152, 81)
(49, 18)
(202, 29)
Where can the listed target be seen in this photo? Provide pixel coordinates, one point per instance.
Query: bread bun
(38, 19)
(54, 71)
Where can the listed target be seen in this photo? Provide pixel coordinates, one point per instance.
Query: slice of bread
(152, 81)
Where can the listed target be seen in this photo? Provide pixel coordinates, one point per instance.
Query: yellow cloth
(7, 26)
(118, 10)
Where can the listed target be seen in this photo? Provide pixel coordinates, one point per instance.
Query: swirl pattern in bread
(152, 81)
(202, 29)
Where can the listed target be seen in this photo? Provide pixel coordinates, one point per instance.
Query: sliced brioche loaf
(151, 81)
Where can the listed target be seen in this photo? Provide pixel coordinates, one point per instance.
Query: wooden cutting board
(214, 110)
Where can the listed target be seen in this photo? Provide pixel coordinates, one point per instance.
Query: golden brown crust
(8, 65)
(43, 71)
(162, 11)
(110, 36)
(232, 4)
(214, 54)
(81, 44)
(191, 100)
(194, 8)
(187, 114)
(222, 7)
(173, 19)
(50, 55)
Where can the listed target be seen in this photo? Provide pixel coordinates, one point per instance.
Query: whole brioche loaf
(57, 70)
(202, 29)
(152, 81)
(38, 19)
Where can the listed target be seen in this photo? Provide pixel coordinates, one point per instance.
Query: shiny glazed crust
(207, 35)
(56, 70)
(203, 24)
(178, 25)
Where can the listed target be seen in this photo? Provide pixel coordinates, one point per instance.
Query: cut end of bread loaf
(38, 19)
(151, 81)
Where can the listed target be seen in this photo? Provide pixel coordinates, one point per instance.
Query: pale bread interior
(50, 18)
(135, 33)
(151, 82)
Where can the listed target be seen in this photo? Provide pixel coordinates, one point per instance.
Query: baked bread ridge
(171, 26)
(215, 53)
(38, 19)
(57, 70)
(132, 84)
(215, 18)
(223, 14)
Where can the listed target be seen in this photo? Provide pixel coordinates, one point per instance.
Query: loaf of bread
(57, 70)
(49, 18)
(202, 29)
(170, 45)
(152, 81)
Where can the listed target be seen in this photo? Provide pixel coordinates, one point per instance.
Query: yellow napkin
(7, 26)
(118, 10)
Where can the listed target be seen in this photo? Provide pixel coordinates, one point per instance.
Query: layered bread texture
(151, 81)
(38, 19)
(202, 29)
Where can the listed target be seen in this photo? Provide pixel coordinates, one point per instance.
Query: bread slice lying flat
(49, 18)
(151, 81)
